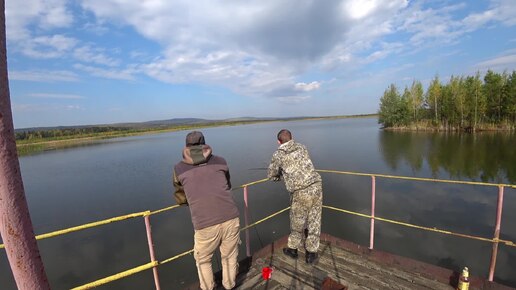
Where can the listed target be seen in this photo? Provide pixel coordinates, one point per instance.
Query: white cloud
(55, 96)
(500, 63)
(476, 20)
(386, 50)
(96, 28)
(431, 24)
(55, 14)
(441, 24)
(358, 9)
(91, 55)
(307, 87)
(27, 108)
(45, 15)
(259, 50)
(48, 46)
(43, 76)
(504, 11)
(122, 74)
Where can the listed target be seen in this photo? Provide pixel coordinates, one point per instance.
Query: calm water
(74, 186)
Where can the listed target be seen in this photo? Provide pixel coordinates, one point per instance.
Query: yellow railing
(154, 264)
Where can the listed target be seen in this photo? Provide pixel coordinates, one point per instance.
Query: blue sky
(107, 61)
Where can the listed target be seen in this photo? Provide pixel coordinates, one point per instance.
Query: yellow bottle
(464, 280)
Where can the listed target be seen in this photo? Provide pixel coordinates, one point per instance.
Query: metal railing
(154, 263)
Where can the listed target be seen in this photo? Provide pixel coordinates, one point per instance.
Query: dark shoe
(310, 257)
(290, 252)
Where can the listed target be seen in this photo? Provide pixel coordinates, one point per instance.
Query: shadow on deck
(345, 266)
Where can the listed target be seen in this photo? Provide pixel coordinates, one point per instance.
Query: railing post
(15, 224)
(496, 232)
(246, 216)
(373, 198)
(151, 251)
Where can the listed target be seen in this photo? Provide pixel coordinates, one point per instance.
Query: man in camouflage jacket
(292, 161)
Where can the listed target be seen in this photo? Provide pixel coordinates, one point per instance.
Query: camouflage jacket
(292, 161)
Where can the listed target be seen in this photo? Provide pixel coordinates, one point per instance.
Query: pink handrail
(496, 233)
(246, 216)
(151, 251)
(373, 202)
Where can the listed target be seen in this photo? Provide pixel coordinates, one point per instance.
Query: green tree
(447, 107)
(475, 100)
(415, 100)
(459, 98)
(493, 84)
(511, 97)
(433, 97)
(463, 102)
(393, 110)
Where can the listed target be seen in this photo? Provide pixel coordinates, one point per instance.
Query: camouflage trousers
(305, 212)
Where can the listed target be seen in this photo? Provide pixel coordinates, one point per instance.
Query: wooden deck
(344, 265)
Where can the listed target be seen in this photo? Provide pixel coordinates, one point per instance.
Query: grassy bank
(427, 125)
(37, 145)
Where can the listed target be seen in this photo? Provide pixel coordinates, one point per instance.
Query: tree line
(66, 132)
(464, 103)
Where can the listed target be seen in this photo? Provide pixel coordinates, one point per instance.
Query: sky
(86, 62)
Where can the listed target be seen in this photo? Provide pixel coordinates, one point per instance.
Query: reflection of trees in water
(486, 156)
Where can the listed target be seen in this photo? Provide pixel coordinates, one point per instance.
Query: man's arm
(179, 191)
(274, 171)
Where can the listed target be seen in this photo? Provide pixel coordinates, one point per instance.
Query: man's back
(293, 162)
(206, 182)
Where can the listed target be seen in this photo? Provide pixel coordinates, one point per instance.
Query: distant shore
(37, 145)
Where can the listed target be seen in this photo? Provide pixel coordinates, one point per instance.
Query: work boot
(310, 257)
(290, 252)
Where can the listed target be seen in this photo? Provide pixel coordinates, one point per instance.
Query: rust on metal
(15, 226)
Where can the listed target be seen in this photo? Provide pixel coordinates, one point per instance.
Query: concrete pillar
(15, 224)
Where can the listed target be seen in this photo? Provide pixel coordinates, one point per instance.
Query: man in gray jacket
(204, 179)
(292, 161)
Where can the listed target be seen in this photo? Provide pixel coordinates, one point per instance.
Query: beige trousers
(207, 240)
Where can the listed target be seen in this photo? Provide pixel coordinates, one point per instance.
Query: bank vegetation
(470, 103)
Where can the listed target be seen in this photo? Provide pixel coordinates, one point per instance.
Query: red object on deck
(267, 273)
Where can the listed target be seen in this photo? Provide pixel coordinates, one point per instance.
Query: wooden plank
(350, 265)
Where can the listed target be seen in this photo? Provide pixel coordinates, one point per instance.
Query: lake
(69, 187)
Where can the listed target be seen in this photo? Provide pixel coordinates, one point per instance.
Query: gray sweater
(205, 180)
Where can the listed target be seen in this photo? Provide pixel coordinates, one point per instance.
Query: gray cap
(194, 138)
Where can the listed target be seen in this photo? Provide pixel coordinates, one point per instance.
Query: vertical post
(151, 250)
(15, 224)
(373, 201)
(496, 233)
(246, 211)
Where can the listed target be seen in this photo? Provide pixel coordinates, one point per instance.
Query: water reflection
(484, 156)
